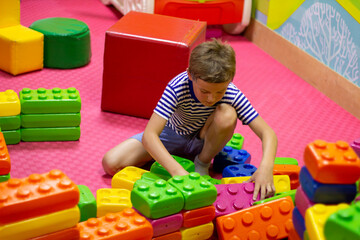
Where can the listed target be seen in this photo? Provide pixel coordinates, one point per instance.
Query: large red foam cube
(143, 52)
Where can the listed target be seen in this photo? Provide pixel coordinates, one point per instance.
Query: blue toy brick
(326, 193)
(197, 191)
(230, 156)
(298, 222)
(240, 170)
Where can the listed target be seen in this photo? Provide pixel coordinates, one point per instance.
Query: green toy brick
(236, 141)
(50, 120)
(284, 160)
(50, 134)
(157, 199)
(290, 193)
(54, 100)
(12, 136)
(197, 191)
(10, 122)
(344, 224)
(4, 178)
(212, 180)
(149, 176)
(159, 170)
(87, 203)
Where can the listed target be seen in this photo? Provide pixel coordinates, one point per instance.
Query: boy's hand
(264, 183)
(180, 172)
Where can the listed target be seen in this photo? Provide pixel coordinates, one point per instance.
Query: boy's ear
(189, 75)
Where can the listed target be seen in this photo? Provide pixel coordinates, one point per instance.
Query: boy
(195, 117)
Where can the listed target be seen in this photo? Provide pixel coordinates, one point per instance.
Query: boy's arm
(156, 148)
(263, 177)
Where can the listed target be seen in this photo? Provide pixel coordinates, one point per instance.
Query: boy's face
(209, 93)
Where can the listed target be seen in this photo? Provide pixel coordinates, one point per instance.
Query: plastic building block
(229, 156)
(327, 162)
(170, 236)
(356, 146)
(159, 170)
(286, 160)
(290, 193)
(87, 203)
(236, 141)
(4, 178)
(306, 235)
(68, 234)
(212, 180)
(36, 195)
(9, 103)
(10, 122)
(240, 170)
(127, 177)
(298, 221)
(54, 100)
(291, 170)
(149, 176)
(233, 197)
(293, 235)
(302, 201)
(198, 216)
(326, 193)
(12, 136)
(197, 192)
(271, 220)
(316, 216)
(112, 200)
(344, 224)
(127, 224)
(48, 120)
(41, 225)
(157, 199)
(50, 134)
(166, 224)
(5, 164)
(200, 232)
(10, 13)
(145, 40)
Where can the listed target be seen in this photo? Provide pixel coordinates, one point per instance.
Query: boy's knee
(109, 165)
(225, 116)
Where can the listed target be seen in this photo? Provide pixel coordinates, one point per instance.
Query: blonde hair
(212, 61)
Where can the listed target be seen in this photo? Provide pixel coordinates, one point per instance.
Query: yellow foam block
(127, 177)
(9, 103)
(9, 13)
(42, 225)
(204, 231)
(110, 200)
(22, 49)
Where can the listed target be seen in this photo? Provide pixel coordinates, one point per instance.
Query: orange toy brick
(4, 157)
(292, 171)
(124, 225)
(36, 195)
(271, 220)
(332, 163)
(198, 216)
(68, 234)
(170, 236)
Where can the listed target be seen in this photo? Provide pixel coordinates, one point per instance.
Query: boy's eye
(203, 91)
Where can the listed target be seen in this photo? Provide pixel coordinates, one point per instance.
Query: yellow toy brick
(9, 103)
(111, 200)
(22, 49)
(204, 231)
(281, 182)
(9, 13)
(42, 225)
(127, 177)
(316, 216)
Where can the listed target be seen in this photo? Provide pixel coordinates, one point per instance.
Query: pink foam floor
(297, 112)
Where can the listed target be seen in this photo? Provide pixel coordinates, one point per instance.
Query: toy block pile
(39, 205)
(10, 116)
(328, 184)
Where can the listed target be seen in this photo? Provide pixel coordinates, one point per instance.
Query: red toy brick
(5, 164)
(36, 195)
(124, 225)
(198, 216)
(170, 236)
(271, 220)
(143, 52)
(68, 234)
(332, 163)
(292, 171)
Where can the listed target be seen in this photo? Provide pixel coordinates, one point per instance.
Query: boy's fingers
(270, 191)
(249, 180)
(256, 191)
(263, 193)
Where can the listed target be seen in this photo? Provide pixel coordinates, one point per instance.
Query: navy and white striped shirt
(187, 115)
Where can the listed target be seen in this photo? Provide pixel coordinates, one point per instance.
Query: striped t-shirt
(187, 115)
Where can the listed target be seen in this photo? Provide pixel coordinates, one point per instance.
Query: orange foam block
(4, 157)
(292, 171)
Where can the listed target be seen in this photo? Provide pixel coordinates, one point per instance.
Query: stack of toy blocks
(327, 184)
(21, 48)
(50, 114)
(143, 52)
(288, 166)
(39, 205)
(5, 164)
(10, 116)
